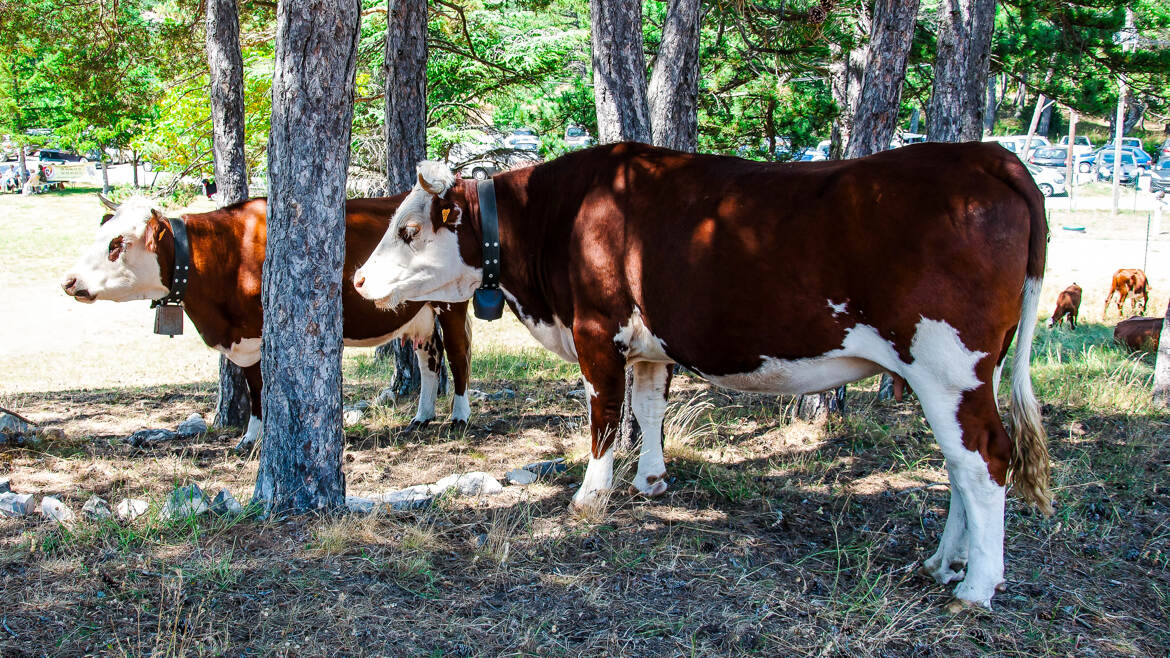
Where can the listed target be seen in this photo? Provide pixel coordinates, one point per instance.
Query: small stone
(146, 437)
(351, 416)
(14, 504)
(5, 485)
(475, 483)
(521, 476)
(502, 394)
(576, 393)
(547, 468)
(386, 397)
(475, 394)
(185, 502)
(12, 425)
(416, 497)
(52, 508)
(359, 505)
(96, 508)
(51, 434)
(193, 426)
(362, 405)
(131, 508)
(225, 504)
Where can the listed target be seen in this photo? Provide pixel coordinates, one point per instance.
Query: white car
(577, 137)
(1015, 143)
(1083, 145)
(522, 139)
(1050, 181)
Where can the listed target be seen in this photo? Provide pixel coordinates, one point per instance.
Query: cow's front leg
(649, 406)
(428, 352)
(948, 562)
(603, 370)
(457, 341)
(255, 429)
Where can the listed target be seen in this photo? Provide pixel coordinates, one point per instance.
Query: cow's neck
(207, 300)
(532, 237)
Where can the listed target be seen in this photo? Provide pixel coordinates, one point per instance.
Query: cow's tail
(1029, 468)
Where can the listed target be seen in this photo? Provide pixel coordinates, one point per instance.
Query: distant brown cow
(1139, 334)
(1068, 303)
(1126, 282)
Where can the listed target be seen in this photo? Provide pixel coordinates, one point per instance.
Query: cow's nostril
(359, 282)
(69, 283)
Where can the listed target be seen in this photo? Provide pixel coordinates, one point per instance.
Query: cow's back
(1139, 333)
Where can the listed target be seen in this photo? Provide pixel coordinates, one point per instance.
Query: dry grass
(777, 537)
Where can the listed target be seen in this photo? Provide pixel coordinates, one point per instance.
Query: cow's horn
(106, 202)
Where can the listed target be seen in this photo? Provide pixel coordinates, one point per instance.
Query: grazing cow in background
(763, 277)
(1068, 303)
(1128, 282)
(133, 258)
(1139, 334)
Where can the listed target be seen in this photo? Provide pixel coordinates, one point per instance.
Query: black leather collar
(488, 301)
(181, 269)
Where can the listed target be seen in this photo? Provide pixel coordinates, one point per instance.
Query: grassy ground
(777, 537)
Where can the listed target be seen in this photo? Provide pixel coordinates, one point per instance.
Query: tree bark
(226, 66)
(962, 60)
(990, 108)
(845, 77)
(406, 138)
(1162, 364)
(619, 71)
(674, 84)
(308, 154)
(876, 116)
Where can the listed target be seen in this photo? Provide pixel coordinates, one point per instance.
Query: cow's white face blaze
(121, 264)
(418, 259)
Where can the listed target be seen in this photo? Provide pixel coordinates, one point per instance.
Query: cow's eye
(408, 231)
(116, 247)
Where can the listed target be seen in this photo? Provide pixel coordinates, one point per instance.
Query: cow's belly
(798, 376)
(417, 329)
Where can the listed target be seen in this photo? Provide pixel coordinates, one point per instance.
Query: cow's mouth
(80, 294)
(84, 296)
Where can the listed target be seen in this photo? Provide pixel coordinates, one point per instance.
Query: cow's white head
(121, 264)
(419, 258)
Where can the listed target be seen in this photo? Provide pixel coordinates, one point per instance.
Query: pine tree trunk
(876, 116)
(619, 71)
(308, 157)
(226, 66)
(674, 84)
(845, 76)
(961, 64)
(406, 138)
(1162, 364)
(989, 109)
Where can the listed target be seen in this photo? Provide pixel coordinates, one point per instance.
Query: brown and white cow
(132, 258)
(1128, 282)
(1068, 303)
(771, 278)
(1139, 334)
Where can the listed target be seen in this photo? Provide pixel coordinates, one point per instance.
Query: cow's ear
(435, 177)
(107, 217)
(155, 229)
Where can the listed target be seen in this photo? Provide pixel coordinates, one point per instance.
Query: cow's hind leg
(604, 372)
(429, 362)
(255, 430)
(649, 406)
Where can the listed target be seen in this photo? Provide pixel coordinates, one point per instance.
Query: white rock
(351, 416)
(5, 485)
(520, 476)
(359, 505)
(54, 509)
(193, 426)
(386, 397)
(418, 496)
(96, 508)
(146, 437)
(14, 504)
(131, 508)
(475, 483)
(10, 424)
(226, 504)
(184, 502)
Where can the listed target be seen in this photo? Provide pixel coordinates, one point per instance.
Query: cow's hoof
(459, 425)
(245, 445)
(958, 605)
(943, 574)
(416, 426)
(652, 487)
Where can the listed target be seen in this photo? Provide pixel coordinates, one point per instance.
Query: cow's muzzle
(71, 289)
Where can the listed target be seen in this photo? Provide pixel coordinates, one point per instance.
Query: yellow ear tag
(446, 214)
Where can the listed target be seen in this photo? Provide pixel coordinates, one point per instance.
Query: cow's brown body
(223, 294)
(785, 278)
(1139, 334)
(1068, 304)
(1129, 282)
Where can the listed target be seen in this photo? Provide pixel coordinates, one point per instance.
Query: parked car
(523, 139)
(812, 154)
(55, 156)
(1160, 177)
(1050, 181)
(1142, 158)
(577, 137)
(1127, 173)
(492, 162)
(1016, 143)
(1049, 156)
(1084, 144)
(1139, 157)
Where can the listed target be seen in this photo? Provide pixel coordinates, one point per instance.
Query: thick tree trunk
(619, 71)
(962, 60)
(308, 157)
(226, 66)
(990, 108)
(674, 84)
(105, 174)
(1162, 364)
(406, 138)
(134, 167)
(876, 116)
(845, 77)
